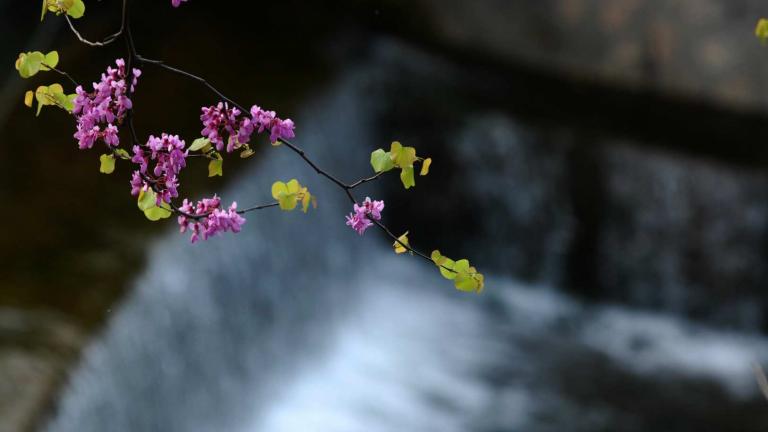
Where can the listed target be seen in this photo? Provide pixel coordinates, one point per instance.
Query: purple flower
(110, 136)
(220, 120)
(176, 3)
(281, 130)
(103, 108)
(212, 218)
(278, 128)
(167, 151)
(359, 220)
(138, 184)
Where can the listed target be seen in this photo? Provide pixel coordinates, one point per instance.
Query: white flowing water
(296, 324)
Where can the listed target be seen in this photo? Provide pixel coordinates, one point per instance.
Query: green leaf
(293, 186)
(107, 164)
(70, 103)
(147, 199)
(45, 9)
(446, 265)
(29, 96)
(28, 64)
(761, 30)
(199, 144)
(156, 213)
(425, 166)
(461, 266)
(215, 167)
(381, 161)
(289, 194)
(278, 187)
(123, 154)
(468, 279)
(306, 198)
(398, 245)
(42, 97)
(394, 149)
(50, 95)
(248, 152)
(465, 282)
(406, 157)
(51, 60)
(287, 201)
(77, 9)
(281, 192)
(406, 176)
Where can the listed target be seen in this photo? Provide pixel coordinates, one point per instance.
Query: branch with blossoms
(227, 127)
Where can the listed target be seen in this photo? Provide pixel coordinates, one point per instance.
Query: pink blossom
(221, 120)
(268, 120)
(98, 112)
(212, 218)
(358, 222)
(281, 130)
(167, 151)
(359, 219)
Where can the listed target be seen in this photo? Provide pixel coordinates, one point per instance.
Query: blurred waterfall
(296, 324)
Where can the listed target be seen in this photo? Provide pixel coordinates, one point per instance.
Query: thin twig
(365, 180)
(108, 40)
(201, 80)
(61, 72)
(258, 207)
(205, 215)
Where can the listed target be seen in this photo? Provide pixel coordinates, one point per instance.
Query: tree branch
(108, 40)
(134, 56)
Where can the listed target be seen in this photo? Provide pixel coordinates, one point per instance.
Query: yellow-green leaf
(277, 188)
(761, 30)
(306, 198)
(248, 152)
(287, 201)
(398, 245)
(293, 186)
(425, 166)
(156, 213)
(28, 98)
(51, 60)
(394, 150)
(28, 64)
(215, 167)
(123, 154)
(406, 157)
(199, 144)
(406, 176)
(107, 164)
(147, 199)
(288, 195)
(77, 9)
(381, 161)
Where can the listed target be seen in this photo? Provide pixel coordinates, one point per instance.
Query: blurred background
(602, 162)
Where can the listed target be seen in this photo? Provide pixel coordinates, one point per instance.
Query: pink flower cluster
(176, 3)
(213, 219)
(170, 157)
(360, 219)
(98, 112)
(221, 121)
(268, 120)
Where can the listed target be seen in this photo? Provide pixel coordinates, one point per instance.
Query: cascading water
(296, 324)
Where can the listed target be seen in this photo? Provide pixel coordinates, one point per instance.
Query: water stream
(298, 325)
